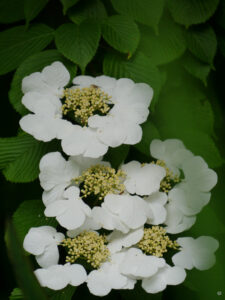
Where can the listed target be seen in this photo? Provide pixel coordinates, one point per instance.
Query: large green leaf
(78, 42)
(65, 294)
(20, 156)
(139, 68)
(67, 4)
(202, 43)
(146, 12)
(165, 46)
(32, 8)
(22, 268)
(31, 214)
(196, 68)
(150, 132)
(18, 43)
(94, 9)
(192, 11)
(34, 63)
(11, 11)
(121, 33)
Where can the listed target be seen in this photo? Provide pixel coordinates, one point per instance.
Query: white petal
(43, 105)
(56, 75)
(107, 220)
(198, 175)
(176, 221)
(49, 257)
(76, 273)
(54, 277)
(38, 238)
(54, 194)
(131, 210)
(122, 88)
(143, 180)
(156, 203)
(40, 127)
(83, 141)
(138, 265)
(83, 80)
(117, 240)
(89, 224)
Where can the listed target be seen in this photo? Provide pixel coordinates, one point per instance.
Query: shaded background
(185, 65)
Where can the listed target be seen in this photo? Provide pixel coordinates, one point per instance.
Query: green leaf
(18, 43)
(22, 268)
(150, 132)
(20, 156)
(139, 69)
(67, 4)
(147, 12)
(116, 156)
(11, 11)
(34, 63)
(78, 43)
(202, 43)
(30, 214)
(32, 8)
(196, 68)
(165, 46)
(16, 294)
(192, 12)
(94, 9)
(121, 33)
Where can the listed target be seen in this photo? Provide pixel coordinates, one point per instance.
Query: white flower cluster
(118, 222)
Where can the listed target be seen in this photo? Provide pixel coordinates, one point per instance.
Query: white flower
(101, 281)
(156, 203)
(42, 242)
(137, 265)
(187, 198)
(56, 173)
(198, 253)
(143, 179)
(122, 212)
(70, 213)
(127, 106)
(57, 277)
(166, 275)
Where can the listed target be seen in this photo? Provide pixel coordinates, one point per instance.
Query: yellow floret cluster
(100, 180)
(169, 179)
(88, 246)
(85, 102)
(155, 241)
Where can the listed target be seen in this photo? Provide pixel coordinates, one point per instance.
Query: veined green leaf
(11, 11)
(16, 294)
(32, 8)
(18, 43)
(93, 9)
(147, 12)
(20, 156)
(202, 43)
(78, 43)
(67, 4)
(121, 33)
(192, 12)
(165, 46)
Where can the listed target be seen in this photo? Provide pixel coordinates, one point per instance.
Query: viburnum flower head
(93, 114)
(118, 260)
(85, 193)
(188, 182)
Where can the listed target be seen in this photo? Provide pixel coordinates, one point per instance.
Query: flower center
(155, 241)
(169, 180)
(80, 104)
(100, 180)
(88, 246)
